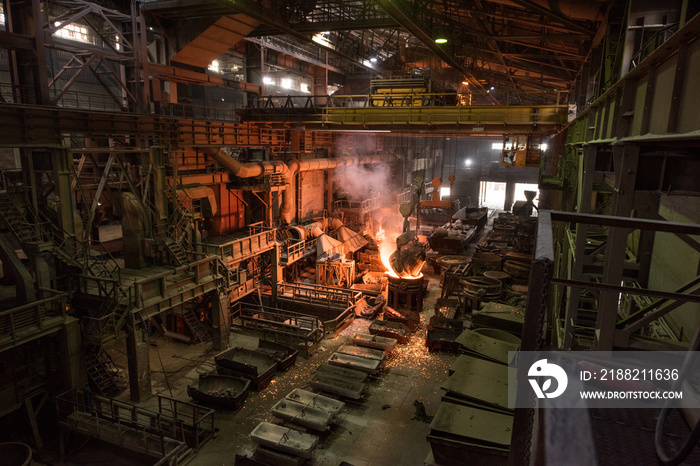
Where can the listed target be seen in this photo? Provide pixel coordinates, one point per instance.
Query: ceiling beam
(538, 62)
(518, 18)
(574, 26)
(545, 37)
(396, 12)
(343, 25)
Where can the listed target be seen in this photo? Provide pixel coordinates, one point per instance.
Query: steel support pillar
(139, 364)
(71, 360)
(62, 163)
(159, 193)
(28, 67)
(220, 320)
(586, 172)
(277, 273)
(625, 158)
(510, 196)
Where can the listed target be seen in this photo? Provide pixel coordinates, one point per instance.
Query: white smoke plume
(360, 182)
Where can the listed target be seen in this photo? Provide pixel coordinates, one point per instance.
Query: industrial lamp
(441, 40)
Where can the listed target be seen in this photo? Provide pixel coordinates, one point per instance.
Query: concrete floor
(379, 431)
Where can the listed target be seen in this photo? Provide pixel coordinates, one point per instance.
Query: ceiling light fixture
(373, 59)
(441, 40)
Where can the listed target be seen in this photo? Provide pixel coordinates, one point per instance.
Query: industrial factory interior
(322, 232)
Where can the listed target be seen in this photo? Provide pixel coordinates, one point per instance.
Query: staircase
(198, 329)
(19, 225)
(100, 370)
(177, 252)
(176, 229)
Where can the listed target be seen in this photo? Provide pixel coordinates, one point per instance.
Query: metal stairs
(15, 219)
(200, 331)
(102, 373)
(177, 252)
(176, 229)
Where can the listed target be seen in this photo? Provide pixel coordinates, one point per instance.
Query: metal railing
(203, 274)
(278, 321)
(26, 320)
(363, 207)
(292, 250)
(260, 239)
(158, 433)
(199, 419)
(324, 295)
(89, 101)
(100, 329)
(659, 37)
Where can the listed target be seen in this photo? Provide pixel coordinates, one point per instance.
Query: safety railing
(279, 322)
(362, 207)
(324, 295)
(168, 289)
(98, 330)
(145, 431)
(199, 420)
(23, 321)
(653, 43)
(292, 250)
(260, 239)
(89, 100)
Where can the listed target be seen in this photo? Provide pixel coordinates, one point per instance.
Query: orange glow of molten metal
(386, 249)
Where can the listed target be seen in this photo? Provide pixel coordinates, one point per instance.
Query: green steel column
(626, 160)
(70, 360)
(62, 162)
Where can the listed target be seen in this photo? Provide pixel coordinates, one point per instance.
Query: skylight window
(72, 32)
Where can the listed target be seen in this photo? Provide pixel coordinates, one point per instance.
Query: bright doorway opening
(492, 194)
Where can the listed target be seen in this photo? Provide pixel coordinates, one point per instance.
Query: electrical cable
(690, 441)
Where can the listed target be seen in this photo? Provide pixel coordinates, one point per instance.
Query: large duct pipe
(255, 169)
(245, 170)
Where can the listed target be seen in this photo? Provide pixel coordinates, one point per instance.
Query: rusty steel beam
(15, 41)
(344, 25)
(35, 126)
(572, 25)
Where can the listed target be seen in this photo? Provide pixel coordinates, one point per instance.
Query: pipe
(297, 232)
(255, 169)
(245, 170)
(314, 230)
(336, 223)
